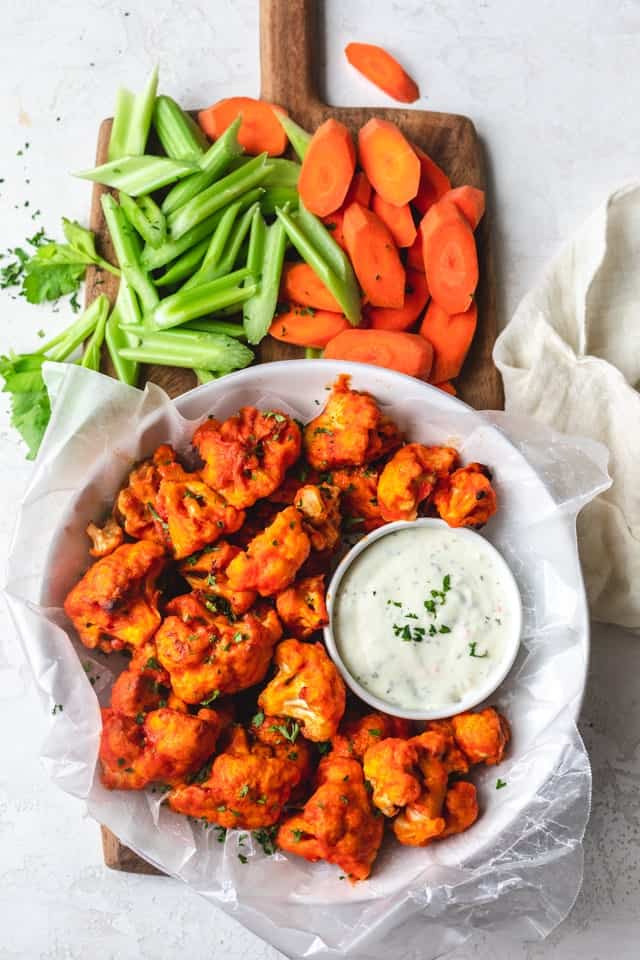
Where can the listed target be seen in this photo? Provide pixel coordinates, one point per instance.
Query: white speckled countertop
(553, 89)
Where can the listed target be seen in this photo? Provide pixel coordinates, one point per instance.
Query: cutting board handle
(288, 43)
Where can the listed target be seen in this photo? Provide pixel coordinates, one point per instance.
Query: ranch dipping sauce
(425, 615)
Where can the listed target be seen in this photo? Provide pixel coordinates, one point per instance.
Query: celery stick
(187, 305)
(282, 173)
(121, 124)
(277, 197)
(91, 355)
(205, 376)
(137, 175)
(212, 164)
(185, 265)
(324, 243)
(125, 313)
(257, 240)
(344, 290)
(298, 137)
(217, 244)
(132, 120)
(179, 134)
(218, 195)
(71, 338)
(259, 310)
(146, 216)
(216, 326)
(209, 352)
(232, 252)
(312, 353)
(127, 249)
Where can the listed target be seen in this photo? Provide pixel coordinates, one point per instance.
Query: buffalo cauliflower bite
(114, 605)
(143, 686)
(359, 501)
(302, 608)
(410, 476)
(165, 745)
(207, 571)
(307, 688)
(337, 823)
(482, 736)
(320, 509)
(350, 431)
(248, 784)
(460, 808)
(207, 654)
(357, 733)
(454, 759)
(273, 557)
(105, 539)
(466, 498)
(136, 503)
(246, 457)
(390, 768)
(195, 515)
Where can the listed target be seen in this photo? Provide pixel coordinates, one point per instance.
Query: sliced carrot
(450, 337)
(415, 260)
(305, 327)
(327, 168)
(470, 203)
(334, 224)
(359, 191)
(447, 387)
(259, 131)
(374, 257)
(404, 352)
(383, 70)
(450, 257)
(434, 182)
(416, 295)
(301, 285)
(397, 219)
(389, 161)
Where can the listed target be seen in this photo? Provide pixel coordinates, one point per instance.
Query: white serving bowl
(477, 694)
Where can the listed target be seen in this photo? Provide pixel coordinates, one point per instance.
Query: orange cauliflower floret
(356, 734)
(337, 823)
(410, 477)
(136, 503)
(359, 501)
(105, 539)
(207, 654)
(248, 784)
(390, 768)
(320, 509)
(307, 688)
(460, 808)
(115, 603)
(466, 498)
(350, 431)
(195, 515)
(143, 686)
(482, 736)
(207, 571)
(302, 607)
(246, 456)
(272, 558)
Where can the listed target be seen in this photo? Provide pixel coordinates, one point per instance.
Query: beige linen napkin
(570, 357)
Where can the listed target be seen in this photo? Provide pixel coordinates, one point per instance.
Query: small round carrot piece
(383, 70)
(450, 337)
(374, 257)
(450, 257)
(434, 182)
(259, 131)
(416, 295)
(398, 219)
(405, 352)
(470, 203)
(306, 327)
(327, 168)
(301, 285)
(389, 161)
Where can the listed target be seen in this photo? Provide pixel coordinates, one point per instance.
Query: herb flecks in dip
(423, 616)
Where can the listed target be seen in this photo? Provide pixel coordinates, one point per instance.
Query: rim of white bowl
(475, 696)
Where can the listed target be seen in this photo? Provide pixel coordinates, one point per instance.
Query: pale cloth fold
(570, 357)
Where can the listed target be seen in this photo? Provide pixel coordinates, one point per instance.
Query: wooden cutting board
(289, 41)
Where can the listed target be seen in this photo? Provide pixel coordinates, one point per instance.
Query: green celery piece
(218, 195)
(146, 217)
(346, 292)
(121, 124)
(282, 173)
(258, 312)
(298, 137)
(70, 339)
(187, 305)
(205, 376)
(323, 241)
(179, 134)
(312, 353)
(208, 352)
(138, 175)
(132, 120)
(216, 326)
(127, 249)
(126, 312)
(91, 356)
(184, 265)
(274, 197)
(212, 165)
(217, 244)
(257, 240)
(240, 230)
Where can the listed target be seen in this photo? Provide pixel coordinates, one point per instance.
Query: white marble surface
(553, 89)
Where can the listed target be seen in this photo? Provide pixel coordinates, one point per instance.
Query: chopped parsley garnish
(222, 833)
(139, 719)
(297, 835)
(243, 791)
(472, 651)
(324, 748)
(156, 516)
(500, 784)
(212, 696)
(374, 732)
(266, 837)
(323, 430)
(257, 719)
(394, 603)
(152, 664)
(242, 858)
(290, 733)
(278, 417)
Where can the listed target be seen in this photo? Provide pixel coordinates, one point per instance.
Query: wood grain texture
(289, 38)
